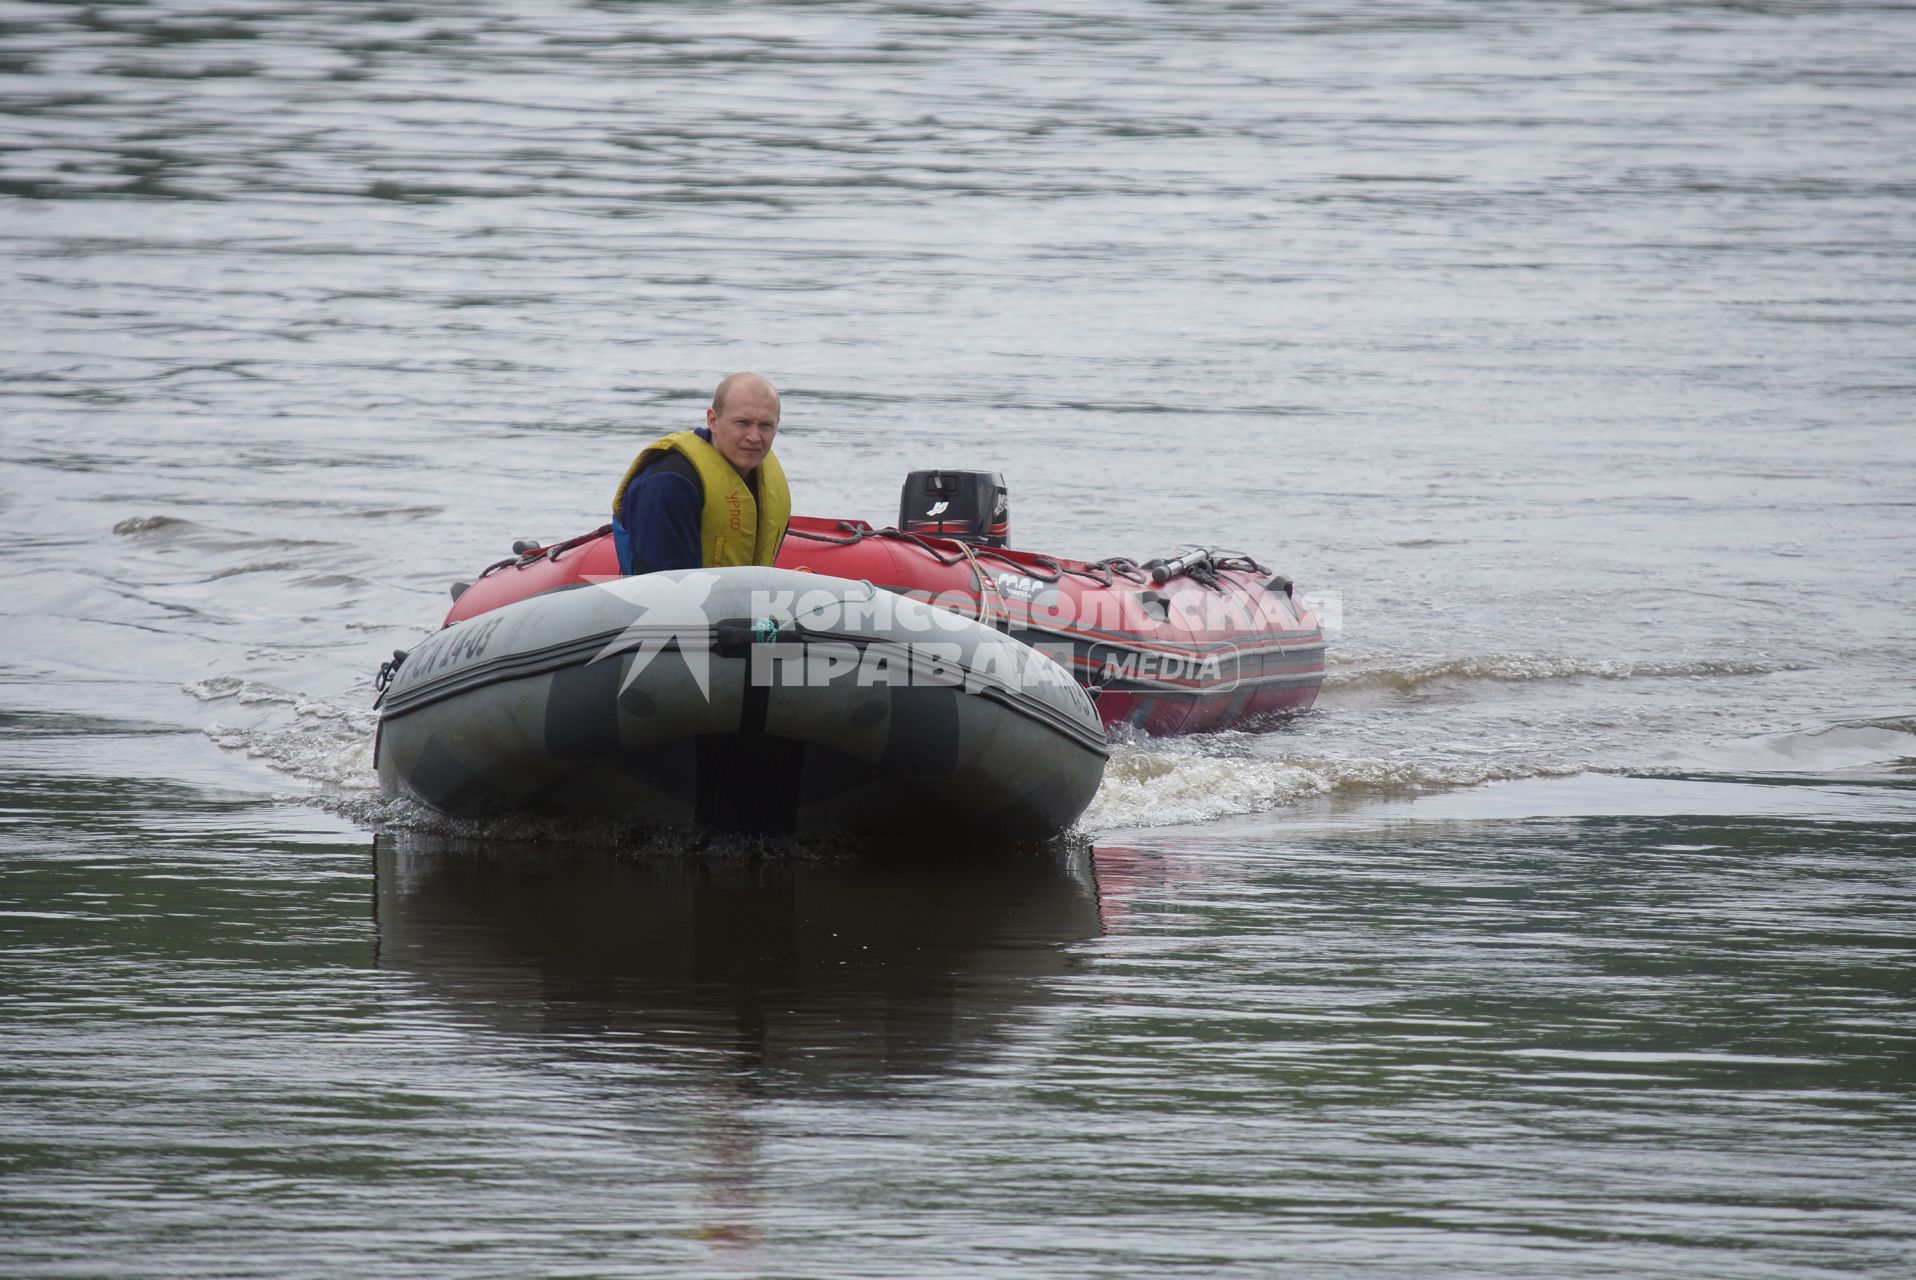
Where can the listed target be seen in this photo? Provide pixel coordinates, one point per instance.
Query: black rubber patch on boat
(924, 732)
(582, 711)
(439, 777)
(748, 781)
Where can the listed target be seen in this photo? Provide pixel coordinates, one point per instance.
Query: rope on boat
(532, 555)
(1043, 568)
(1203, 568)
(979, 580)
(1202, 564)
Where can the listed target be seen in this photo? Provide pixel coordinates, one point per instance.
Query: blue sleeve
(661, 513)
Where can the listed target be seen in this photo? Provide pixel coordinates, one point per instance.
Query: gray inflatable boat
(758, 700)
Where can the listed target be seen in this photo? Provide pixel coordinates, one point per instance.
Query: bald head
(741, 382)
(743, 419)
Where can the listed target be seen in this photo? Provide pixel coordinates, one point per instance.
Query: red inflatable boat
(1202, 641)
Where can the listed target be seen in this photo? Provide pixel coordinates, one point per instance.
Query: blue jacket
(658, 523)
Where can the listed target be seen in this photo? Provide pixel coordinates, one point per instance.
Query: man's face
(743, 428)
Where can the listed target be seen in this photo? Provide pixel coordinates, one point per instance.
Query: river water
(1561, 352)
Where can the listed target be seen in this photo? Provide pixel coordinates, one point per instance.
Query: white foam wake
(1519, 668)
(1173, 782)
(324, 742)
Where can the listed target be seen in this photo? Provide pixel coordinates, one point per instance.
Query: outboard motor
(969, 505)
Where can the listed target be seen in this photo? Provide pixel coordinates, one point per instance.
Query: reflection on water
(714, 986)
(833, 974)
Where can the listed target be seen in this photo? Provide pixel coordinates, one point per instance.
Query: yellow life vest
(735, 528)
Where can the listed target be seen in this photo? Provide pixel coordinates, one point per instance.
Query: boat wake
(1149, 782)
(302, 737)
(1513, 668)
(177, 531)
(1178, 782)
(1877, 747)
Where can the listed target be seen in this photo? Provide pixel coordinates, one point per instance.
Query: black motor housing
(973, 506)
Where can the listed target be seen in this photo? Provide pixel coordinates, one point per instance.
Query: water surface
(1560, 351)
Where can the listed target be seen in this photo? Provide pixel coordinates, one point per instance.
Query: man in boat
(711, 497)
